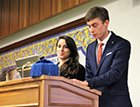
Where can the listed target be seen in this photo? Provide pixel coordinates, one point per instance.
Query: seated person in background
(69, 65)
(14, 74)
(11, 74)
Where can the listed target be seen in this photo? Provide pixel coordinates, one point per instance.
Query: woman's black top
(80, 74)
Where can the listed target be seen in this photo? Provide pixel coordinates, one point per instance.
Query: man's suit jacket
(110, 77)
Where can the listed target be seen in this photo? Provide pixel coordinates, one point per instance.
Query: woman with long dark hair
(69, 65)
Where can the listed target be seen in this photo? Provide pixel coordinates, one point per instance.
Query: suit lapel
(108, 49)
(94, 59)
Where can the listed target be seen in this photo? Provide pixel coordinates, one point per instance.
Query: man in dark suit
(109, 73)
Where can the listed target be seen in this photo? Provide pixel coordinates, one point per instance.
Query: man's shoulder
(119, 38)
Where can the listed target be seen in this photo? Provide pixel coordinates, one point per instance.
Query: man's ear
(106, 23)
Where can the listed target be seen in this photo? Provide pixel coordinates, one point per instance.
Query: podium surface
(47, 91)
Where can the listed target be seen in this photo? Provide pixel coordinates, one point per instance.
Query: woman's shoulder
(81, 67)
(81, 73)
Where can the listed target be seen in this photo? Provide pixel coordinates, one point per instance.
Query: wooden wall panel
(5, 17)
(83, 1)
(14, 16)
(19, 14)
(67, 4)
(57, 7)
(45, 9)
(23, 14)
(34, 11)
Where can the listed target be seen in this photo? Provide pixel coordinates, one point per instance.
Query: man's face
(98, 29)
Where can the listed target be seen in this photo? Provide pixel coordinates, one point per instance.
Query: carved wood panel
(18, 14)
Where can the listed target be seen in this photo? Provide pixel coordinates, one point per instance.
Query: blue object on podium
(44, 67)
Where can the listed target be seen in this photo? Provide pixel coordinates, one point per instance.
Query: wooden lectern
(47, 91)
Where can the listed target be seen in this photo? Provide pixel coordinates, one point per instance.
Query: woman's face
(63, 51)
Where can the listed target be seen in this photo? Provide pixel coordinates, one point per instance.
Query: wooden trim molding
(43, 35)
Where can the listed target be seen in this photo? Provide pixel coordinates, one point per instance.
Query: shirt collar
(106, 39)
